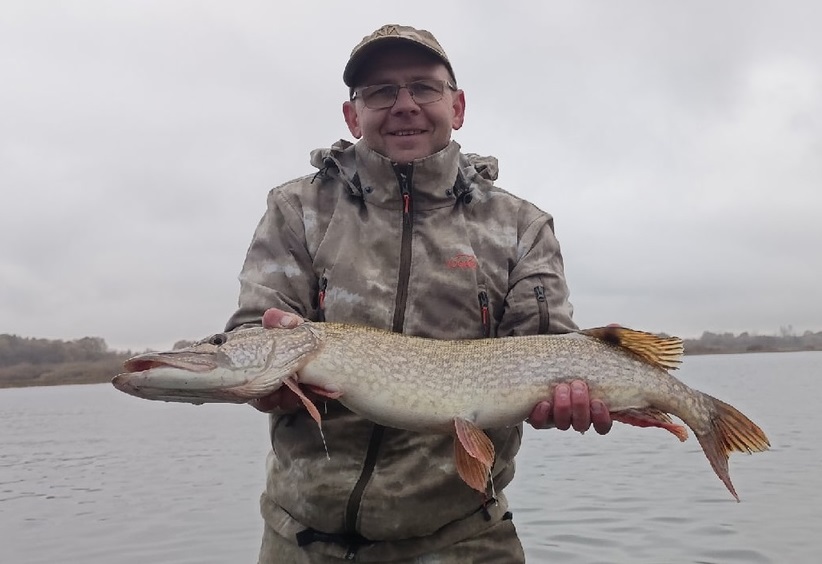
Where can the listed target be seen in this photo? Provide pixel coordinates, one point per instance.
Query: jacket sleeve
(537, 298)
(278, 268)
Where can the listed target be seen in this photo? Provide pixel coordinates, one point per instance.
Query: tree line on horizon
(27, 361)
(786, 341)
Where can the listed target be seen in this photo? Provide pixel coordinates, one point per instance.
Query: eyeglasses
(381, 96)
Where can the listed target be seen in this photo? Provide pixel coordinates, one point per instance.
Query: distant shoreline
(26, 375)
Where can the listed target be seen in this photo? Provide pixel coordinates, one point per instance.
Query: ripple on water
(171, 483)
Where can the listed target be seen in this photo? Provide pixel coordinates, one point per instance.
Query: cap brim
(355, 63)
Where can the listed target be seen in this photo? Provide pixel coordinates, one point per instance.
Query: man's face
(406, 131)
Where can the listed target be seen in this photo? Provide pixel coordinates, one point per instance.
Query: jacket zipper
(484, 313)
(542, 307)
(352, 508)
(321, 299)
(404, 178)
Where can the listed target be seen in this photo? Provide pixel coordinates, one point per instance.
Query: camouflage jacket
(431, 249)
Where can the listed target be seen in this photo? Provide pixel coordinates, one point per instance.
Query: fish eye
(218, 339)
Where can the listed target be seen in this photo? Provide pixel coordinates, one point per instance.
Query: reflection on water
(88, 474)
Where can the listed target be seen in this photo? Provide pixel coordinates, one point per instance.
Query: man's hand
(571, 406)
(278, 319)
(282, 400)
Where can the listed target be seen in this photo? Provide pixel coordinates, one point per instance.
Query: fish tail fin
(730, 431)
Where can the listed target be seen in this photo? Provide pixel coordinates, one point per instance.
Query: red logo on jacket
(462, 261)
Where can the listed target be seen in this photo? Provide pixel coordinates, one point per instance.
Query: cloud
(676, 144)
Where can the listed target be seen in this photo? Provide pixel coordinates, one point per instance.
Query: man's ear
(458, 107)
(352, 118)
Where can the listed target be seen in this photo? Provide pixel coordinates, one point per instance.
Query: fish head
(233, 367)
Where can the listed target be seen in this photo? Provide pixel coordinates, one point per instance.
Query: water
(90, 475)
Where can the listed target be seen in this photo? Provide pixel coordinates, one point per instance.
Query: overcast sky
(677, 144)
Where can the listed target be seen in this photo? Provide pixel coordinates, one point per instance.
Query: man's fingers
(580, 406)
(562, 407)
(266, 404)
(540, 417)
(601, 417)
(282, 399)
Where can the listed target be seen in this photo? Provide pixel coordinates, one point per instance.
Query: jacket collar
(436, 181)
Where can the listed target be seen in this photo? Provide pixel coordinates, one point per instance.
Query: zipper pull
(542, 309)
(321, 298)
(404, 177)
(406, 193)
(483, 302)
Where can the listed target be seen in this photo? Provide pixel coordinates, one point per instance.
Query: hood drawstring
(328, 162)
(462, 189)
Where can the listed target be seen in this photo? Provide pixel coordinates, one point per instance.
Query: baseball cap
(392, 33)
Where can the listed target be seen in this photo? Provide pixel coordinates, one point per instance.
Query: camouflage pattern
(393, 33)
(482, 262)
(492, 542)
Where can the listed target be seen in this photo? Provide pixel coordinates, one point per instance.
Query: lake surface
(90, 475)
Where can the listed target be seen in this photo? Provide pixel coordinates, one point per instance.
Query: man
(404, 232)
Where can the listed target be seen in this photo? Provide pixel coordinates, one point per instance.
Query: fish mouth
(147, 361)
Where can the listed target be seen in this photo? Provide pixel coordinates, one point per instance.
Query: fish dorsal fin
(664, 352)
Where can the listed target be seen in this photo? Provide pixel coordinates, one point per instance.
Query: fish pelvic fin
(650, 417)
(473, 454)
(730, 431)
(661, 351)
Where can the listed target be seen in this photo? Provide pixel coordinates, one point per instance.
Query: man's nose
(404, 102)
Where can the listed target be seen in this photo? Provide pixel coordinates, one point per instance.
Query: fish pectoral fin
(473, 454)
(309, 405)
(664, 352)
(650, 417)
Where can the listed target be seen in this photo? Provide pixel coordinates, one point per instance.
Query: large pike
(454, 387)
